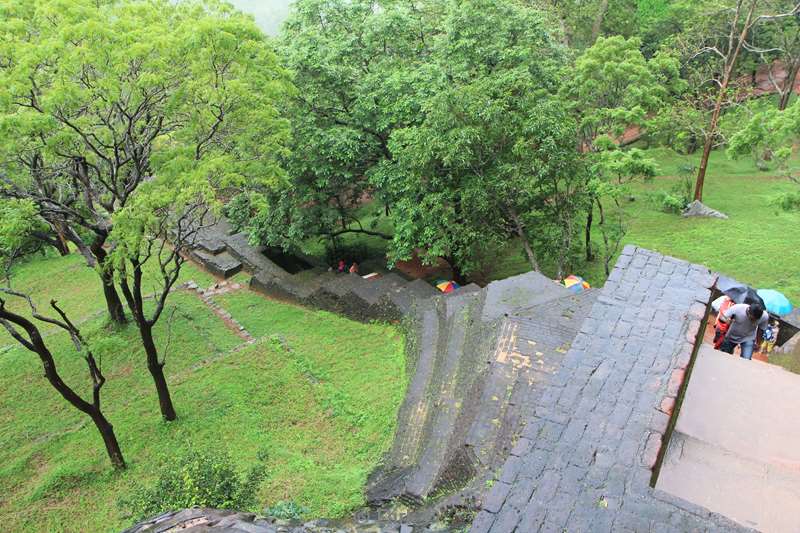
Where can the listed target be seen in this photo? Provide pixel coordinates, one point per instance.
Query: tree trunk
(530, 253)
(61, 237)
(113, 302)
(36, 344)
(458, 275)
(156, 369)
(709, 143)
(588, 238)
(606, 251)
(519, 228)
(723, 89)
(788, 85)
(109, 439)
(61, 246)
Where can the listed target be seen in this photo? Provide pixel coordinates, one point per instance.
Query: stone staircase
(389, 297)
(473, 373)
(735, 448)
(476, 358)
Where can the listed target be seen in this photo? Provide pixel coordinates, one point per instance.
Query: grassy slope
(759, 244)
(304, 407)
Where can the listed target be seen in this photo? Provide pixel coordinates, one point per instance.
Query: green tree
(712, 44)
(778, 132)
(18, 226)
(490, 144)
(27, 333)
(776, 37)
(107, 97)
(612, 89)
(102, 95)
(354, 63)
(612, 172)
(153, 233)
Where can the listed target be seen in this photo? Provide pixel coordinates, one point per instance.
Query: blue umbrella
(775, 302)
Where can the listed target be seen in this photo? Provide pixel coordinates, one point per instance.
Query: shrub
(679, 196)
(285, 511)
(197, 479)
(788, 201)
(669, 203)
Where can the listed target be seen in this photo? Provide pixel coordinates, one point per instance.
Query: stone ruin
(529, 408)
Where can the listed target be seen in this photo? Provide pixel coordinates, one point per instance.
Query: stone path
(207, 296)
(469, 393)
(390, 297)
(586, 456)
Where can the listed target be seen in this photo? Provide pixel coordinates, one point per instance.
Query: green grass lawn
(759, 244)
(317, 394)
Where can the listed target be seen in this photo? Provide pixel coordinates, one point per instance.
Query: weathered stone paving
(587, 453)
(469, 394)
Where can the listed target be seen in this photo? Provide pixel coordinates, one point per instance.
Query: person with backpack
(744, 321)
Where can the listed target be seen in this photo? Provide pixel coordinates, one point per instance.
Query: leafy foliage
(18, 221)
(285, 511)
(196, 478)
(613, 87)
(489, 139)
(775, 131)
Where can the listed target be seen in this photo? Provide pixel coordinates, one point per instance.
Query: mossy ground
(316, 392)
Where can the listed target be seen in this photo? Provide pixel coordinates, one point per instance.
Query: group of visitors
(739, 324)
(342, 267)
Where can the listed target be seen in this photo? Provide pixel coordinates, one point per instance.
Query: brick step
(252, 257)
(528, 353)
(373, 291)
(495, 396)
(568, 312)
(342, 284)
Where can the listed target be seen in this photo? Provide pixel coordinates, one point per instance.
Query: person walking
(744, 322)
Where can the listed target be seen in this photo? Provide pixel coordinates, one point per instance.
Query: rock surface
(699, 209)
(203, 520)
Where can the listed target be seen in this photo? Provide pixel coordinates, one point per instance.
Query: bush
(678, 197)
(669, 203)
(196, 479)
(285, 511)
(788, 201)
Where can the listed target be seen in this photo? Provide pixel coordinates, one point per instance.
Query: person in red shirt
(720, 326)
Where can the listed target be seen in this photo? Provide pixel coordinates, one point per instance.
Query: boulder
(699, 209)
